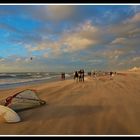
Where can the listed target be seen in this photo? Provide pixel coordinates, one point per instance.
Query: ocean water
(9, 80)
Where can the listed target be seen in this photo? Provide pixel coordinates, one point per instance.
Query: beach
(95, 107)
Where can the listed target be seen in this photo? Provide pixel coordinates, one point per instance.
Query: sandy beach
(95, 107)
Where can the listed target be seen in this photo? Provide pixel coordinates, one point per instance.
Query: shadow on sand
(59, 112)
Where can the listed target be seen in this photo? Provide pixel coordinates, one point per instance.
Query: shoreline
(30, 83)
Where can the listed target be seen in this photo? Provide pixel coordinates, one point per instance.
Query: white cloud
(119, 41)
(113, 54)
(96, 61)
(76, 39)
(128, 43)
(77, 43)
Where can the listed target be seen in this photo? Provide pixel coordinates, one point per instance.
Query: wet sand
(95, 107)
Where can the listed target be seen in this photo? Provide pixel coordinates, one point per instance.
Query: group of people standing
(95, 74)
(79, 75)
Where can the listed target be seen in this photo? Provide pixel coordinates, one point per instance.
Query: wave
(7, 76)
(13, 75)
(67, 75)
(36, 76)
(16, 81)
(19, 78)
(2, 74)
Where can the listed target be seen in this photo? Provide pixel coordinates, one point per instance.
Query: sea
(12, 80)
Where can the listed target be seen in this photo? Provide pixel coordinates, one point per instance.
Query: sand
(95, 107)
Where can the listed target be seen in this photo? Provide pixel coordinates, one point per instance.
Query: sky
(69, 37)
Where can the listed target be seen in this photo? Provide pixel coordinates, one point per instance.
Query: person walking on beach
(111, 75)
(76, 76)
(63, 76)
(94, 75)
(82, 75)
(79, 75)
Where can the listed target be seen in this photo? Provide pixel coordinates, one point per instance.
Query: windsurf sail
(8, 115)
(24, 100)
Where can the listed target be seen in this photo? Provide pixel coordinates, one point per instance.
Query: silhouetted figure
(111, 74)
(79, 75)
(63, 76)
(94, 75)
(82, 75)
(76, 76)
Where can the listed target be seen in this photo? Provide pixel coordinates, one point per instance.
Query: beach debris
(25, 99)
(20, 101)
(8, 115)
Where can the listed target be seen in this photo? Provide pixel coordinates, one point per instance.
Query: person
(76, 76)
(64, 76)
(111, 74)
(79, 75)
(82, 75)
(94, 75)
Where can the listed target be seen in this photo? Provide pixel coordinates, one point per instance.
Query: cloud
(126, 28)
(76, 39)
(126, 34)
(118, 41)
(22, 60)
(52, 12)
(96, 61)
(137, 58)
(77, 43)
(16, 63)
(135, 32)
(134, 19)
(60, 12)
(113, 54)
(129, 43)
(2, 60)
